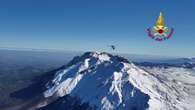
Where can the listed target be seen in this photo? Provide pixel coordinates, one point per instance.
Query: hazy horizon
(81, 52)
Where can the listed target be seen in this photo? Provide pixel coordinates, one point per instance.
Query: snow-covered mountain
(107, 82)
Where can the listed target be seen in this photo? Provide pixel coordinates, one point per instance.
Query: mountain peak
(109, 82)
(101, 56)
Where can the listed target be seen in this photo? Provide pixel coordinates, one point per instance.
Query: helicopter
(113, 47)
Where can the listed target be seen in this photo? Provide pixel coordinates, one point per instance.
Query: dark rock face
(68, 103)
(35, 89)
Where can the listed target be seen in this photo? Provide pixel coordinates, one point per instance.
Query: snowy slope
(178, 78)
(109, 82)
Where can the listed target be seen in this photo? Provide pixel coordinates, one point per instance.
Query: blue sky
(89, 25)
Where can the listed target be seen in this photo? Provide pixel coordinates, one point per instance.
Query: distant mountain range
(177, 62)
